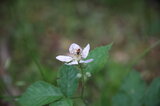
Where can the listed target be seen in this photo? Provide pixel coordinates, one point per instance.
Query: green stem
(83, 84)
(137, 59)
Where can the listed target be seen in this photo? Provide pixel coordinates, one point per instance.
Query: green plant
(70, 76)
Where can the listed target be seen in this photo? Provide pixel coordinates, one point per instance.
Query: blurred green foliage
(131, 91)
(153, 93)
(37, 30)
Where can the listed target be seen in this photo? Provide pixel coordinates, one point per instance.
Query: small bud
(88, 74)
(79, 75)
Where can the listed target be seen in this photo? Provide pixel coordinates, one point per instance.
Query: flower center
(78, 51)
(77, 57)
(76, 54)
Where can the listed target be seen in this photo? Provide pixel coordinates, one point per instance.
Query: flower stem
(83, 84)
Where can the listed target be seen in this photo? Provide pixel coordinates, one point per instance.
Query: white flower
(76, 56)
(88, 74)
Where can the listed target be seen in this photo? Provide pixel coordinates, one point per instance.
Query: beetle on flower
(76, 55)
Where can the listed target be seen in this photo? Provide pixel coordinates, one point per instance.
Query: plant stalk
(83, 84)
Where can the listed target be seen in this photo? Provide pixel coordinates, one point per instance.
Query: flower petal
(64, 58)
(72, 63)
(85, 51)
(86, 61)
(74, 47)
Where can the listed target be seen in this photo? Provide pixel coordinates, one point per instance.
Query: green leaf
(100, 56)
(40, 93)
(152, 97)
(68, 80)
(63, 102)
(121, 99)
(115, 75)
(131, 92)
